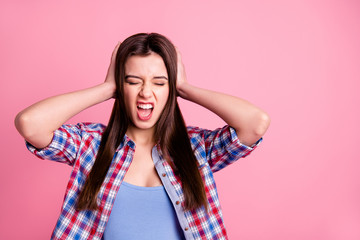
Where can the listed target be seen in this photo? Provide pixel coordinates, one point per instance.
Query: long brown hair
(170, 129)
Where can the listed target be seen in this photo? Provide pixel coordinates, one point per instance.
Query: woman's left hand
(181, 80)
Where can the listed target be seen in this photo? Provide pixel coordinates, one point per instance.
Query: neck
(141, 136)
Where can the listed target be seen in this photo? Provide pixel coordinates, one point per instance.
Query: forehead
(152, 64)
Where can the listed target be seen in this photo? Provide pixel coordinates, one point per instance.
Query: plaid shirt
(77, 145)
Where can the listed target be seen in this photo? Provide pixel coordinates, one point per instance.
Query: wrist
(183, 89)
(108, 90)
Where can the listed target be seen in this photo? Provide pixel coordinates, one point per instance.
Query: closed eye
(131, 82)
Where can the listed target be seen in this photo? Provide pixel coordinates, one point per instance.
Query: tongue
(144, 112)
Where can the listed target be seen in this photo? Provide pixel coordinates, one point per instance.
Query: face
(146, 89)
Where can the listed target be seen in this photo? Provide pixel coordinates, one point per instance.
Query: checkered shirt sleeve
(67, 141)
(221, 147)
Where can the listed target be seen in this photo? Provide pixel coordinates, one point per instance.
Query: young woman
(145, 175)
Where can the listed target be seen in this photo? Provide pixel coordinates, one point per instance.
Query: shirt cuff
(45, 152)
(234, 138)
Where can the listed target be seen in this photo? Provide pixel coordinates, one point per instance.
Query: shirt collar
(126, 141)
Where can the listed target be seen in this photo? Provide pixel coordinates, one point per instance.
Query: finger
(177, 51)
(115, 51)
(117, 46)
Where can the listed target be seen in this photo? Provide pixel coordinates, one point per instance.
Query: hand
(181, 80)
(110, 76)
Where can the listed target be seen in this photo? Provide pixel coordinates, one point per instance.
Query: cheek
(163, 96)
(128, 98)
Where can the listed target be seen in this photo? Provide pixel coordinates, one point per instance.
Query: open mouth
(144, 110)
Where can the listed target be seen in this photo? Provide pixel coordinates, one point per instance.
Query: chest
(142, 171)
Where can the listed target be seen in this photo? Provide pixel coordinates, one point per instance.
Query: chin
(143, 125)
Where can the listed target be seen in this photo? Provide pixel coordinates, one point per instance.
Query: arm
(38, 122)
(249, 121)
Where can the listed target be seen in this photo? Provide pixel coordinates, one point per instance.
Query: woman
(145, 175)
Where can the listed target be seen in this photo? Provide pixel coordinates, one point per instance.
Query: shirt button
(177, 202)
(186, 228)
(164, 174)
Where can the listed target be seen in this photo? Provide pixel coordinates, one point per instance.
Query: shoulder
(91, 127)
(194, 131)
(82, 129)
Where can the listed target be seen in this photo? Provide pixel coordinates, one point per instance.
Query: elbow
(31, 133)
(25, 125)
(21, 121)
(263, 123)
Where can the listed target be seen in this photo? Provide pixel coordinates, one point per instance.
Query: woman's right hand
(110, 76)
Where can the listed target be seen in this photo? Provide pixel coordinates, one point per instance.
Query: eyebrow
(156, 77)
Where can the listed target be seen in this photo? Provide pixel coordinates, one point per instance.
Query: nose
(146, 91)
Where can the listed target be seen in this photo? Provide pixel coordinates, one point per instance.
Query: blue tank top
(142, 213)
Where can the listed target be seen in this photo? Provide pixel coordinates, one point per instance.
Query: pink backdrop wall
(298, 60)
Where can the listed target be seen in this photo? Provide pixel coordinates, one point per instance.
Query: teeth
(145, 106)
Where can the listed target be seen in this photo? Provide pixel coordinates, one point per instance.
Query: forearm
(37, 122)
(249, 121)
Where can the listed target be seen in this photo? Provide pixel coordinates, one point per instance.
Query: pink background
(297, 60)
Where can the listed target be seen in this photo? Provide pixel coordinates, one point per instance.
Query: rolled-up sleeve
(66, 142)
(222, 145)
